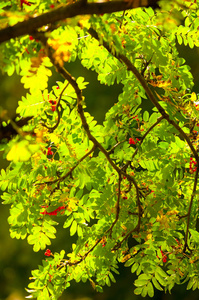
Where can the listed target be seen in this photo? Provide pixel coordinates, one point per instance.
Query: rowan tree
(132, 178)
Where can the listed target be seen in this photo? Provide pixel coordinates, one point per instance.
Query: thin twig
(146, 133)
(117, 206)
(61, 70)
(51, 129)
(189, 210)
(69, 173)
(119, 244)
(113, 148)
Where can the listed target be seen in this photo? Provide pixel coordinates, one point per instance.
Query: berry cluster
(50, 152)
(53, 104)
(103, 242)
(192, 165)
(132, 141)
(136, 118)
(54, 212)
(25, 2)
(48, 253)
(164, 257)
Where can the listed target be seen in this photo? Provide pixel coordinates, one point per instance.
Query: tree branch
(13, 128)
(117, 206)
(189, 210)
(68, 11)
(61, 70)
(164, 114)
(147, 132)
(155, 102)
(148, 92)
(69, 173)
(51, 129)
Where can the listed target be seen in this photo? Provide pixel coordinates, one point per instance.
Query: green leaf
(73, 228)
(108, 282)
(161, 272)
(190, 283)
(68, 222)
(156, 284)
(134, 267)
(144, 277)
(112, 277)
(140, 282)
(146, 116)
(144, 292)
(160, 279)
(195, 235)
(72, 168)
(150, 290)
(138, 291)
(129, 262)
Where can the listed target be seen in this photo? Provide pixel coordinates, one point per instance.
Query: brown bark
(68, 11)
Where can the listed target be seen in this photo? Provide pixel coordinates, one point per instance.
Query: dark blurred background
(17, 258)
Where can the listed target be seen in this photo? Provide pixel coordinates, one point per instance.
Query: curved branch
(13, 128)
(117, 206)
(61, 70)
(155, 102)
(68, 11)
(189, 210)
(69, 173)
(148, 92)
(164, 114)
(147, 132)
(51, 129)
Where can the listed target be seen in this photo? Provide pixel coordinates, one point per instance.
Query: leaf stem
(51, 129)
(189, 210)
(117, 206)
(147, 132)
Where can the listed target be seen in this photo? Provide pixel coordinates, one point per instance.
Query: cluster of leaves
(132, 178)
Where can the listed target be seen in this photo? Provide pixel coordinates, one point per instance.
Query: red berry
(48, 252)
(49, 151)
(53, 106)
(164, 259)
(131, 141)
(25, 2)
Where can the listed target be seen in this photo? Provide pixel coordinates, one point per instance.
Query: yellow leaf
(125, 258)
(19, 152)
(193, 97)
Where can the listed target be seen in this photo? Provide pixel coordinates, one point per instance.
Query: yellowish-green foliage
(132, 178)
